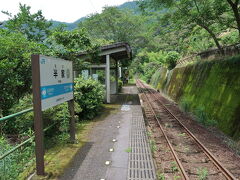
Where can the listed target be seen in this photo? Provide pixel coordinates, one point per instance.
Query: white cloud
(60, 10)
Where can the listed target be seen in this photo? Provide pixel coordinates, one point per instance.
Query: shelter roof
(118, 51)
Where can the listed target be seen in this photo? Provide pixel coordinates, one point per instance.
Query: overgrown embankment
(209, 89)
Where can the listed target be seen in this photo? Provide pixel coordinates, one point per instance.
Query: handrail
(16, 114)
(15, 148)
(2, 157)
(25, 142)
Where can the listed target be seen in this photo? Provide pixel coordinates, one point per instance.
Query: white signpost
(56, 81)
(52, 81)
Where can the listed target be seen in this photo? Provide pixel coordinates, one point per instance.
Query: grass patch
(131, 81)
(182, 134)
(128, 150)
(59, 157)
(161, 176)
(153, 145)
(202, 173)
(174, 166)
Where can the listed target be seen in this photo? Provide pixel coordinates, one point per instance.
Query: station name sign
(52, 83)
(56, 81)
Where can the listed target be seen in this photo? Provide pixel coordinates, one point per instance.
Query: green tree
(234, 5)
(184, 12)
(34, 26)
(15, 67)
(113, 24)
(68, 44)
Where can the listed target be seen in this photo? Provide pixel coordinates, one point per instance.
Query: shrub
(120, 84)
(23, 123)
(15, 68)
(171, 59)
(14, 163)
(89, 95)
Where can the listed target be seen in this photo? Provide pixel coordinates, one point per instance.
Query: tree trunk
(213, 36)
(234, 7)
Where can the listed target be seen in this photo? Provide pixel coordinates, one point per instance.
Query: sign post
(72, 121)
(52, 81)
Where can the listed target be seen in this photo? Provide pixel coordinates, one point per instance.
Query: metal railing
(16, 114)
(4, 175)
(6, 156)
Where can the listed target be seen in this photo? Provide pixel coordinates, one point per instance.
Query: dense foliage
(25, 34)
(21, 124)
(15, 161)
(15, 67)
(89, 95)
(88, 99)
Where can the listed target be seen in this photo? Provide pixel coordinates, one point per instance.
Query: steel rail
(16, 114)
(183, 172)
(217, 163)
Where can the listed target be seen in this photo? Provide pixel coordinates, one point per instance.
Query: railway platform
(118, 146)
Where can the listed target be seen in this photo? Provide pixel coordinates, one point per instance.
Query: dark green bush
(89, 95)
(120, 84)
(15, 67)
(171, 59)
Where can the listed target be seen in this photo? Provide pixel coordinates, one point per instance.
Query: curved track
(149, 93)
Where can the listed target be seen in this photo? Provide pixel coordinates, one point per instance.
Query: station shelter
(111, 61)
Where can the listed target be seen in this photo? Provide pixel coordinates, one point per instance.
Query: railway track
(157, 111)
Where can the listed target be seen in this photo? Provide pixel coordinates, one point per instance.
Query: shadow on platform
(130, 99)
(75, 164)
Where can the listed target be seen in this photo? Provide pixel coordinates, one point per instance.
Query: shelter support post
(116, 76)
(120, 72)
(108, 78)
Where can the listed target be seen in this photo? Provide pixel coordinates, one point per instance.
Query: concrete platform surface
(123, 132)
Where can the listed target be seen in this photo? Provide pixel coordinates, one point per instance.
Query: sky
(59, 10)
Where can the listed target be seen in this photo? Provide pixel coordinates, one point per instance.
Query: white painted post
(116, 76)
(108, 78)
(120, 72)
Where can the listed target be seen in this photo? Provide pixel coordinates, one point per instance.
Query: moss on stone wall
(211, 85)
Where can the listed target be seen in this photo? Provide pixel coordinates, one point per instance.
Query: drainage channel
(141, 166)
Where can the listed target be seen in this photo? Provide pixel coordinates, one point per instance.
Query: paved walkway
(123, 132)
